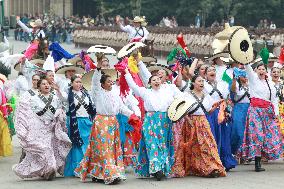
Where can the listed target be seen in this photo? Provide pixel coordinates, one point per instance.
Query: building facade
(20, 7)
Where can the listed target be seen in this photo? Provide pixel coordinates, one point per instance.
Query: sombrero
(227, 32)
(240, 46)
(139, 19)
(272, 58)
(101, 49)
(179, 108)
(129, 48)
(63, 69)
(218, 54)
(36, 23)
(37, 62)
(149, 60)
(87, 77)
(157, 67)
(74, 60)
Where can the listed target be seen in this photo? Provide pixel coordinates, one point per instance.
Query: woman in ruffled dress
(40, 127)
(155, 156)
(103, 160)
(79, 123)
(196, 151)
(262, 137)
(240, 96)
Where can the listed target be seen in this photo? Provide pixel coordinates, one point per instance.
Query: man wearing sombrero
(36, 30)
(138, 31)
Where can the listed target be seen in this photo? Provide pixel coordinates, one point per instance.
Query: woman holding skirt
(196, 151)
(155, 156)
(103, 160)
(40, 127)
(262, 136)
(79, 124)
(220, 126)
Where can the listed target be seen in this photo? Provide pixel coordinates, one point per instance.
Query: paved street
(242, 177)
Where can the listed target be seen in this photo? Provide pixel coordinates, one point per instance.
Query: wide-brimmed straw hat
(101, 49)
(157, 67)
(36, 23)
(37, 62)
(78, 69)
(129, 48)
(87, 77)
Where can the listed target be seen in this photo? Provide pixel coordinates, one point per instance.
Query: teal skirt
(76, 154)
(156, 150)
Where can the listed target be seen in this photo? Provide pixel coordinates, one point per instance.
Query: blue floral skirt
(156, 151)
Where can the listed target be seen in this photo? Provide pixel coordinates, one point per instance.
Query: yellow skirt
(5, 138)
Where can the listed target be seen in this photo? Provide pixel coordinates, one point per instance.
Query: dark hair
(39, 82)
(74, 77)
(149, 82)
(206, 69)
(274, 68)
(104, 78)
(261, 64)
(35, 75)
(20, 73)
(196, 71)
(193, 79)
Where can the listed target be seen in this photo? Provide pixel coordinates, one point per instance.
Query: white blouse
(258, 88)
(207, 103)
(81, 112)
(135, 32)
(107, 102)
(220, 71)
(155, 100)
(38, 105)
(239, 93)
(222, 86)
(27, 95)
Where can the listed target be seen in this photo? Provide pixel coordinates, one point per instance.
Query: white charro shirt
(258, 88)
(135, 32)
(155, 100)
(207, 103)
(107, 102)
(222, 86)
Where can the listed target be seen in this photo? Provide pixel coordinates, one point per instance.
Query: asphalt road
(242, 177)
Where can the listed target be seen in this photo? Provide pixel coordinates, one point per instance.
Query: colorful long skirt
(128, 148)
(239, 116)
(103, 158)
(45, 142)
(156, 151)
(262, 137)
(196, 151)
(222, 135)
(5, 138)
(76, 154)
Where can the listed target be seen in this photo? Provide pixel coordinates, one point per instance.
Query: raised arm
(23, 26)
(96, 85)
(144, 73)
(140, 91)
(251, 74)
